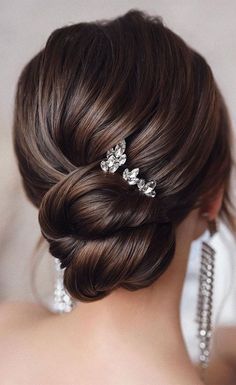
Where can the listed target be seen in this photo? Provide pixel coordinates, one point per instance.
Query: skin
(131, 338)
(222, 368)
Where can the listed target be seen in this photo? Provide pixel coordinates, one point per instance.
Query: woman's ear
(207, 213)
(212, 209)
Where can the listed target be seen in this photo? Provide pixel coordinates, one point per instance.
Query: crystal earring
(205, 296)
(63, 302)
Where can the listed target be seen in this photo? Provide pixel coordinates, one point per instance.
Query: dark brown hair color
(92, 85)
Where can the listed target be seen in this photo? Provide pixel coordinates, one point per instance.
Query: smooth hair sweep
(92, 85)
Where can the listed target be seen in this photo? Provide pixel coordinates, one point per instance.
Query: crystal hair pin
(116, 157)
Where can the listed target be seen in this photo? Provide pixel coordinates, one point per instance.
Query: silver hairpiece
(115, 157)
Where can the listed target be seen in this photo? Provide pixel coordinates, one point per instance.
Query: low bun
(132, 259)
(104, 233)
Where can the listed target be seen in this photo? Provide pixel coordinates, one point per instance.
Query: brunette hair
(92, 85)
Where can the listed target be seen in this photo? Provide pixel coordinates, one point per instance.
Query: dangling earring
(205, 296)
(63, 302)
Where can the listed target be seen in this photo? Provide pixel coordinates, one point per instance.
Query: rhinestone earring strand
(62, 300)
(205, 298)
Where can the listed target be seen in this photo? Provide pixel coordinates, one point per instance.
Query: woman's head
(91, 86)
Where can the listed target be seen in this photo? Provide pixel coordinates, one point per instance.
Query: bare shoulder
(15, 315)
(33, 345)
(17, 320)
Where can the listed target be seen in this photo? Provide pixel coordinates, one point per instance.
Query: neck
(145, 318)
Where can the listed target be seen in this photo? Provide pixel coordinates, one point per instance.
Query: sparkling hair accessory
(116, 157)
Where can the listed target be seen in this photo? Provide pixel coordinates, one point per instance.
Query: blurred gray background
(209, 27)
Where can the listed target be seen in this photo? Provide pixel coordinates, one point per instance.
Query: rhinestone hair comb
(116, 157)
